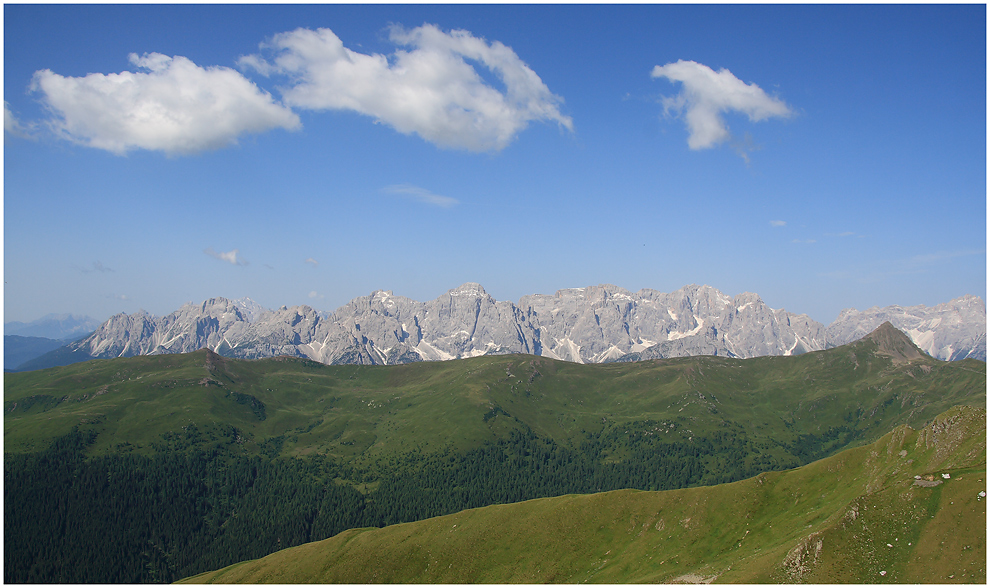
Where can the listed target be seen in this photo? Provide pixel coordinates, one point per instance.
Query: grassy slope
(829, 521)
(374, 413)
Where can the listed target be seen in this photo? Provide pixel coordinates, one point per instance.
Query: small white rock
(946, 476)
(883, 572)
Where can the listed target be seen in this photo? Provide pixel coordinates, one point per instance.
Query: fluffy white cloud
(229, 256)
(312, 261)
(420, 194)
(176, 106)
(430, 89)
(706, 95)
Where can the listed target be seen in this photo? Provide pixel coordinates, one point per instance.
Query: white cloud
(706, 95)
(312, 261)
(431, 89)
(13, 126)
(420, 194)
(804, 241)
(315, 296)
(778, 223)
(230, 256)
(176, 107)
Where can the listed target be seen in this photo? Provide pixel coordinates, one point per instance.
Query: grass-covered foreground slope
(860, 516)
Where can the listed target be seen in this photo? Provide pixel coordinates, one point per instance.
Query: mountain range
(596, 324)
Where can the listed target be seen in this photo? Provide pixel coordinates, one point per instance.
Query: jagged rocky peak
(894, 343)
(472, 289)
(250, 309)
(747, 299)
(218, 307)
(603, 294)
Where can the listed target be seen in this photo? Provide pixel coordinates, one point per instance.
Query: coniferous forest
(123, 518)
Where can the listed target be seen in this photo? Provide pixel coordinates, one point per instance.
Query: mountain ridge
(595, 324)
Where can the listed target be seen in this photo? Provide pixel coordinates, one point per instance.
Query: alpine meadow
(732, 328)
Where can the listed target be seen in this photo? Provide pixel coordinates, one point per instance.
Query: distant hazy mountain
(53, 326)
(585, 325)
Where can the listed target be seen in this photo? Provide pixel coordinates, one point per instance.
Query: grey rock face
(587, 325)
(707, 342)
(949, 331)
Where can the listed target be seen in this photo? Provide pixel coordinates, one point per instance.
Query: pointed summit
(894, 343)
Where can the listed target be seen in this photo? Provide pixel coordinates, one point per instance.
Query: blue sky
(823, 157)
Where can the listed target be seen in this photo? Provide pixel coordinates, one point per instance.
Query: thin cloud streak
(420, 195)
(881, 270)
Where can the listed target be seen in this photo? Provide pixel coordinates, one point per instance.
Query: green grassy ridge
(826, 522)
(368, 414)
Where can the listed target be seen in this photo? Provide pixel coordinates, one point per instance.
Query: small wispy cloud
(96, 267)
(804, 241)
(778, 223)
(231, 256)
(312, 261)
(315, 295)
(118, 296)
(14, 127)
(420, 194)
(706, 95)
